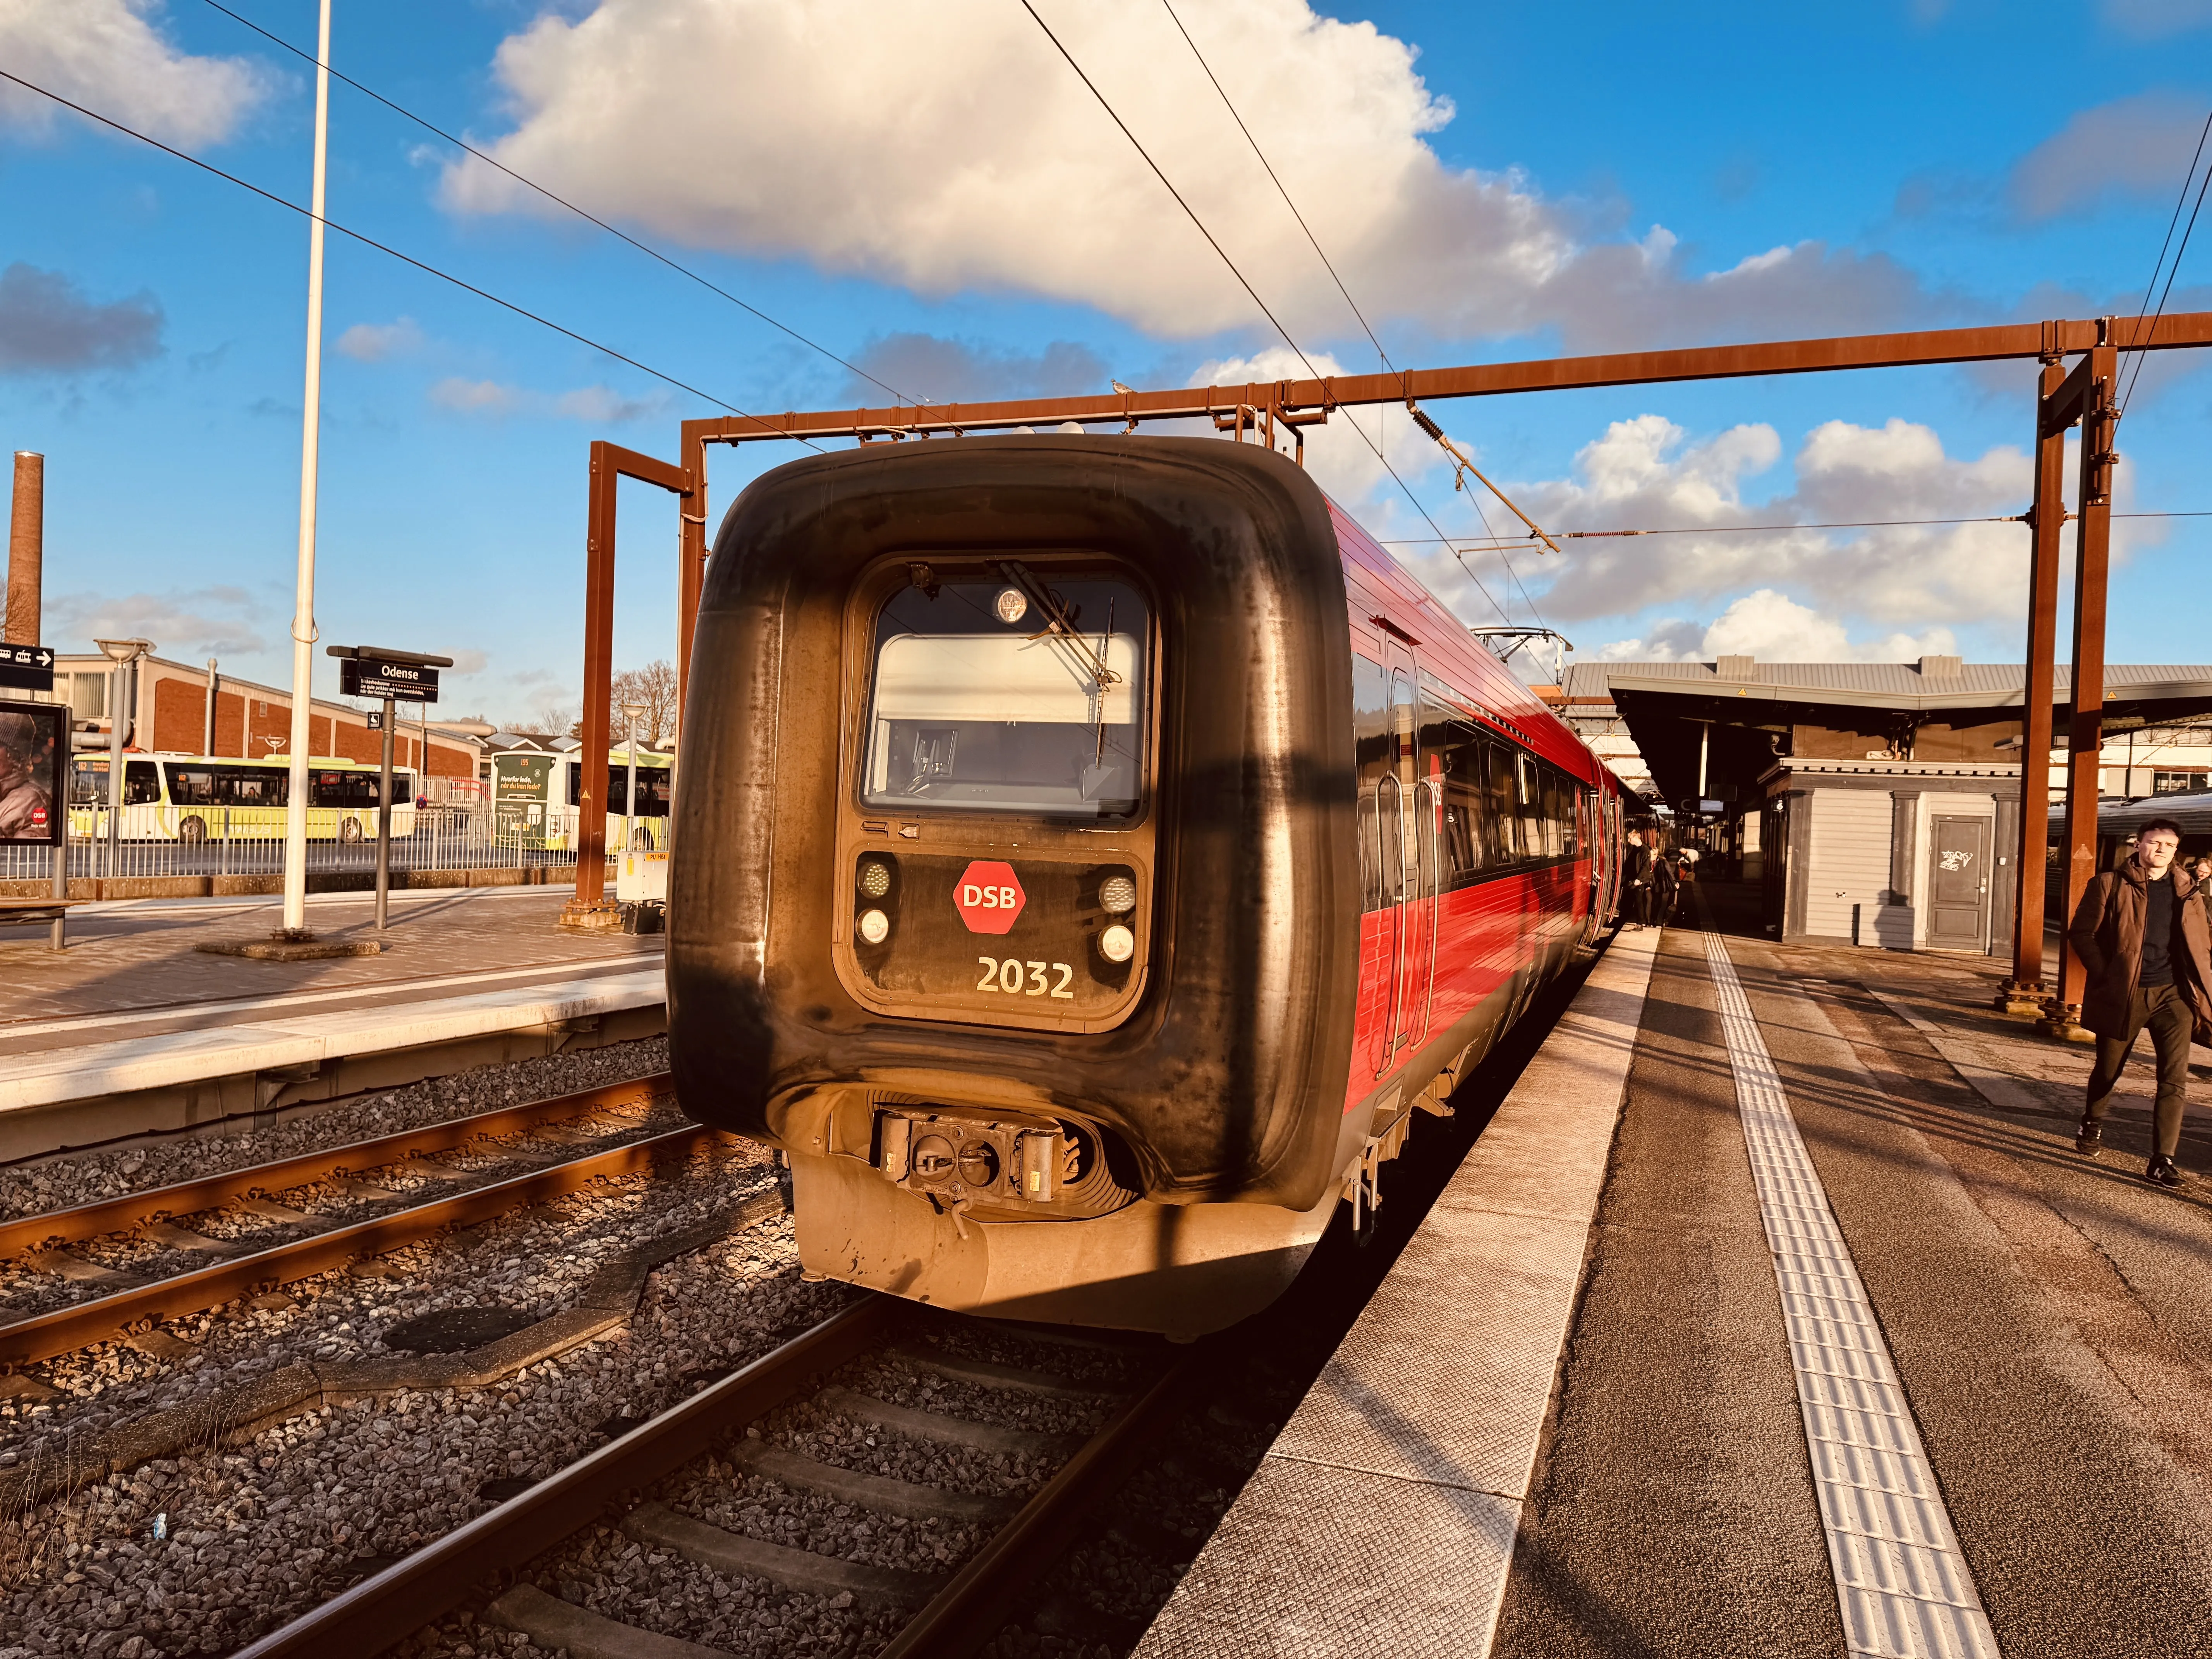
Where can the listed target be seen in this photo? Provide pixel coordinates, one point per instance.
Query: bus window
(346, 789)
(142, 783)
(191, 786)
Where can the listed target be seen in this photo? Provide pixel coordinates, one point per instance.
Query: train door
(1407, 813)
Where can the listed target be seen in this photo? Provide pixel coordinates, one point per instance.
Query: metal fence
(458, 837)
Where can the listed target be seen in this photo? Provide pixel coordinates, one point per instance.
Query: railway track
(494, 1565)
(303, 1244)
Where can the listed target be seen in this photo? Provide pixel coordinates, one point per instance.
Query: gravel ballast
(63, 1180)
(259, 1531)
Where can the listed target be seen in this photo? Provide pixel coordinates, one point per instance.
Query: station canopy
(1939, 709)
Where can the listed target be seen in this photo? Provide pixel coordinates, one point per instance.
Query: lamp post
(125, 654)
(303, 606)
(632, 712)
(207, 734)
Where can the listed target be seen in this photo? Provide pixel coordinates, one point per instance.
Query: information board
(32, 742)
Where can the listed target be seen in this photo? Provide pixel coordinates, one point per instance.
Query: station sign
(368, 677)
(27, 667)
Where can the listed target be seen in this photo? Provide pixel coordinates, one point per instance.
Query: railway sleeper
(657, 1525)
(999, 1377)
(560, 1627)
(932, 1425)
(906, 1498)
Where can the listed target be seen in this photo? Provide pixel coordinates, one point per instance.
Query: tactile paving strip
(1900, 1579)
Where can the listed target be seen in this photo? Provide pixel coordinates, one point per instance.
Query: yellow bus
(537, 795)
(195, 798)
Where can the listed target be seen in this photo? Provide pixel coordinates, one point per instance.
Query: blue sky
(929, 192)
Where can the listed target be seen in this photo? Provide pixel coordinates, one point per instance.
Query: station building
(171, 711)
(1877, 804)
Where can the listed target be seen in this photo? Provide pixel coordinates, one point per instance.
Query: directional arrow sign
(27, 667)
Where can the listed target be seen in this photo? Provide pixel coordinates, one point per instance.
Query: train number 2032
(1028, 979)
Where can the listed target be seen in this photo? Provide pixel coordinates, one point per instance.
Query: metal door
(1406, 814)
(1958, 884)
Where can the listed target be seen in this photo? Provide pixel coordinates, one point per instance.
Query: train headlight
(1117, 944)
(875, 926)
(1117, 895)
(874, 879)
(1012, 604)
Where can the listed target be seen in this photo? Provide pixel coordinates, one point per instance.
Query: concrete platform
(1816, 1338)
(1383, 1519)
(134, 1031)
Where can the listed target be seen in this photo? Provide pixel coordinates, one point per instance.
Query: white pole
(303, 610)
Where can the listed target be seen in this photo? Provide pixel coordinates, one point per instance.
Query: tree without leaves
(652, 689)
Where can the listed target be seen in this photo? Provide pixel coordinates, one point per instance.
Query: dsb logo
(988, 896)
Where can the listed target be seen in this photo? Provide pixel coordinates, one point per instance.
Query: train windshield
(1021, 694)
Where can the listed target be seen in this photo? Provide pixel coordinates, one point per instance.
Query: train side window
(1555, 809)
(1461, 755)
(1501, 829)
(1528, 806)
(1370, 721)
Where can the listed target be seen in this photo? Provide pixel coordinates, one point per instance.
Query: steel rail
(41, 1336)
(966, 1613)
(188, 1197)
(388, 1608)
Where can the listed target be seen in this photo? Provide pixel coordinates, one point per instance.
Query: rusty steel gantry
(2086, 395)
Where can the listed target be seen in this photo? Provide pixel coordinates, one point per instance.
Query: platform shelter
(1877, 804)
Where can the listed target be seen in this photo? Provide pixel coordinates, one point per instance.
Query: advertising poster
(31, 743)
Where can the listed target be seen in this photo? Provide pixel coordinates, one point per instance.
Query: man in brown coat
(2140, 934)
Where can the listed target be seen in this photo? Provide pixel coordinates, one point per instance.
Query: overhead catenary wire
(1265, 311)
(1739, 529)
(404, 258)
(1228, 104)
(645, 248)
(2142, 350)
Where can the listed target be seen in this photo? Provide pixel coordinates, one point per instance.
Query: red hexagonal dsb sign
(990, 896)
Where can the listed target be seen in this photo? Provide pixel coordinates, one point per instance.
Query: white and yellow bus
(195, 798)
(536, 795)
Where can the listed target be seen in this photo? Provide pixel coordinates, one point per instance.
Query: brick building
(249, 719)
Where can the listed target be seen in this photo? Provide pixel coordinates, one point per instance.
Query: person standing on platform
(1642, 871)
(2141, 937)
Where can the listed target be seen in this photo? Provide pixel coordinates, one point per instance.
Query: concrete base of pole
(582, 918)
(299, 950)
(2061, 1021)
(2026, 998)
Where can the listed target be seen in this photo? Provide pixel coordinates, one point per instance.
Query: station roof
(2144, 694)
(1728, 704)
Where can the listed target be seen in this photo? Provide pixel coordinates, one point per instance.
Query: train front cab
(1018, 890)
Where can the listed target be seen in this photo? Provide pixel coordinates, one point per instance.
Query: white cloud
(108, 56)
(948, 147)
(604, 405)
(466, 397)
(599, 406)
(1773, 626)
(1643, 474)
(220, 621)
(372, 342)
(2134, 147)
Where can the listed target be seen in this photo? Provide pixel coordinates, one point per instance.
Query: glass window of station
(1021, 694)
